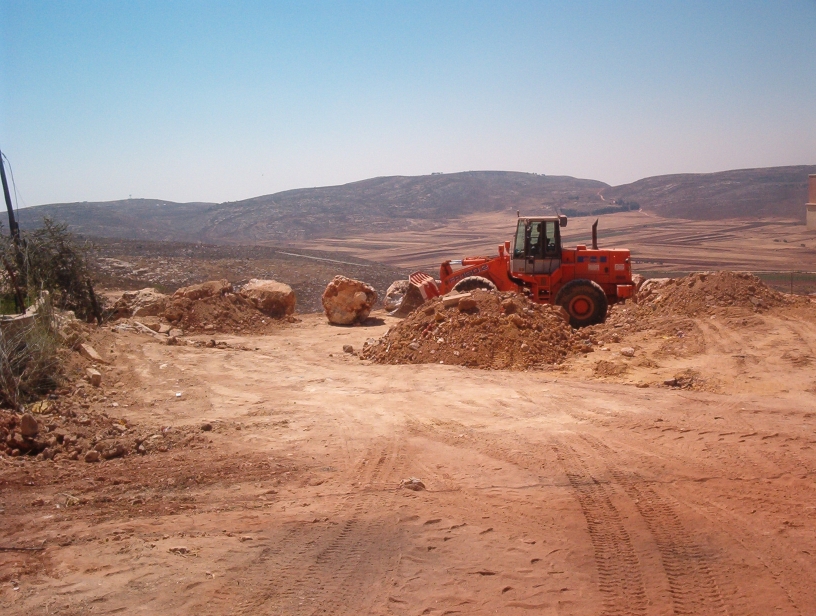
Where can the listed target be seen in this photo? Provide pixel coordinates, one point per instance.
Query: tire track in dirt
(692, 583)
(620, 579)
(619, 572)
(310, 568)
(775, 556)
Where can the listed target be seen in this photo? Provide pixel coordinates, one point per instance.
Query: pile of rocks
(213, 306)
(482, 329)
(60, 433)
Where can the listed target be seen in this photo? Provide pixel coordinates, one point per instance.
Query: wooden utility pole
(14, 228)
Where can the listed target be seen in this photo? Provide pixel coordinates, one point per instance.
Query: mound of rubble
(212, 306)
(56, 431)
(482, 329)
(701, 293)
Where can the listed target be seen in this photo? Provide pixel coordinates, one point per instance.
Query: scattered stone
(347, 348)
(117, 451)
(179, 550)
(466, 304)
(627, 352)
(142, 303)
(92, 456)
(271, 297)
(412, 483)
(29, 427)
(88, 352)
(453, 299)
(94, 376)
(175, 332)
(395, 294)
(347, 301)
(207, 427)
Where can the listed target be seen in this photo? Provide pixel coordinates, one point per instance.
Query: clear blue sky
(219, 101)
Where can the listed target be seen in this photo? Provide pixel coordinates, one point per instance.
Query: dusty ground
(557, 492)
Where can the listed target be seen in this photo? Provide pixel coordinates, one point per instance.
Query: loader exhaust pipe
(595, 235)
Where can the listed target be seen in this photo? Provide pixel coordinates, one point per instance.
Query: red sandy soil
(567, 491)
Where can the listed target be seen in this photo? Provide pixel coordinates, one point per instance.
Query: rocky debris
(347, 301)
(142, 303)
(394, 295)
(501, 331)
(703, 292)
(347, 348)
(627, 351)
(69, 330)
(211, 288)
(68, 429)
(413, 483)
(88, 352)
(214, 307)
(270, 297)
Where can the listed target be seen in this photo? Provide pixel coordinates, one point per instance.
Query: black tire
(584, 301)
(471, 283)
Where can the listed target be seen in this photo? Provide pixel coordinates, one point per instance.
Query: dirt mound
(214, 307)
(58, 430)
(482, 329)
(700, 293)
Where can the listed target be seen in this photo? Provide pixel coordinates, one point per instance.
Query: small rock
(412, 483)
(179, 550)
(88, 352)
(467, 303)
(347, 348)
(207, 427)
(92, 456)
(175, 332)
(246, 538)
(117, 451)
(94, 376)
(627, 352)
(28, 426)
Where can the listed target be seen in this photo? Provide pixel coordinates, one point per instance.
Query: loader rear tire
(584, 301)
(471, 283)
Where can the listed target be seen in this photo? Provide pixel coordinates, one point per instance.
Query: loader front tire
(584, 301)
(471, 283)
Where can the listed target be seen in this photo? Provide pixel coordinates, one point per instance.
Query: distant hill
(399, 203)
(743, 193)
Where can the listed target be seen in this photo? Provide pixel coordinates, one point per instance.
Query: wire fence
(787, 281)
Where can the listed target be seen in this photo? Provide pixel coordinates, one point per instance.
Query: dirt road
(547, 492)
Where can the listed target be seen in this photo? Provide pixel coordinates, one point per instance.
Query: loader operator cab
(537, 248)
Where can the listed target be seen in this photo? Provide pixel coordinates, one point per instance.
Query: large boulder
(141, 303)
(395, 294)
(211, 288)
(347, 301)
(270, 297)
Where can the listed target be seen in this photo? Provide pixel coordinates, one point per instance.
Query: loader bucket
(421, 288)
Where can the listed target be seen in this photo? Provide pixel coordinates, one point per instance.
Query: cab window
(550, 246)
(518, 249)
